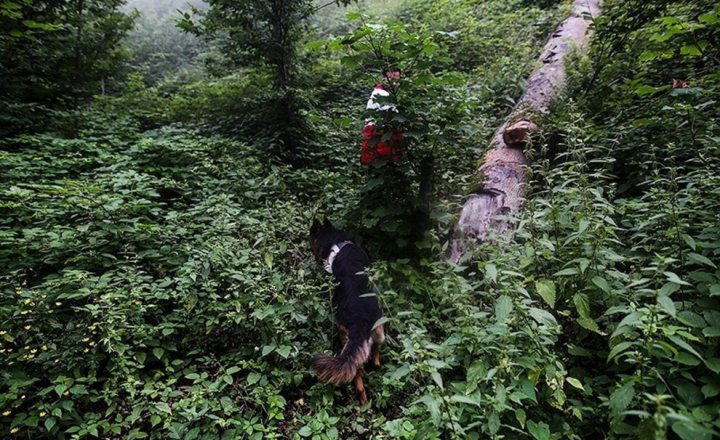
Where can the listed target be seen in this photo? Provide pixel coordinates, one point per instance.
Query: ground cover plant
(155, 275)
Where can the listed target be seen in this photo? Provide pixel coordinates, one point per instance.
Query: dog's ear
(316, 226)
(327, 224)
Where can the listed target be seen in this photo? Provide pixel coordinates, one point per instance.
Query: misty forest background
(161, 163)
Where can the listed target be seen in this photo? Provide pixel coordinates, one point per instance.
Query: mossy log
(502, 173)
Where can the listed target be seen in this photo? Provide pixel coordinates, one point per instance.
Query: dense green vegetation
(155, 275)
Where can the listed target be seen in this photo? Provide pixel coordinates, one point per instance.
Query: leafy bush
(143, 280)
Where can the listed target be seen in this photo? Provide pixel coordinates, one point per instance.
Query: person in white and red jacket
(382, 99)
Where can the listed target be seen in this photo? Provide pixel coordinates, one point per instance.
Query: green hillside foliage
(156, 279)
(164, 54)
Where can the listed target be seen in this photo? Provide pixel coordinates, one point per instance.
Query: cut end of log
(478, 217)
(519, 133)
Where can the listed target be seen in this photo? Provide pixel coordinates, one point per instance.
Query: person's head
(392, 74)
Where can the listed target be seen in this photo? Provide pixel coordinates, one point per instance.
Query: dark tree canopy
(253, 31)
(55, 50)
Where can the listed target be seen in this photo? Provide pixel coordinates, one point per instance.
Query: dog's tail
(343, 368)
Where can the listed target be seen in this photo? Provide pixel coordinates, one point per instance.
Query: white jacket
(374, 105)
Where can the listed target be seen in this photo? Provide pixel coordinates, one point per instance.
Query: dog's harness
(334, 251)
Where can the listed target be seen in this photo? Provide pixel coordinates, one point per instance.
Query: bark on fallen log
(502, 172)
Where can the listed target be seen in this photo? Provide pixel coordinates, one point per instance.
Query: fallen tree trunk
(502, 172)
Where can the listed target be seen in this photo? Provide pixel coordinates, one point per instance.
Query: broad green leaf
(400, 372)
(674, 278)
(690, 241)
(602, 284)
(574, 382)
(667, 304)
(645, 89)
(685, 358)
(684, 345)
(50, 423)
(582, 305)
(539, 431)
(493, 423)
(691, 318)
(543, 317)
(627, 321)
(711, 332)
(648, 55)
(589, 324)
(491, 272)
(60, 389)
(253, 378)
(546, 289)
(433, 407)
(711, 18)
(458, 398)
(283, 350)
(714, 365)
(701, 259)
(688, 393)
(164, 407)
(503, 307)
(689, 430)
(690, 49)
(712, 317)
(668, 289)
(528, 389)
(711, 390)
(521, 416)
(437, 363)
(619, 349)
(567, 272)
(714, 290)
(630, 319)
(437, 379)
(621, 398)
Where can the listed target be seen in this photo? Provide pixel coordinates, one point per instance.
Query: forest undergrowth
(156, 279)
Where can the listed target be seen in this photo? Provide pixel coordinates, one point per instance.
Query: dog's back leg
(358, 380)
(343, 331)
(360, 387)
(376, 355)
(378, 337)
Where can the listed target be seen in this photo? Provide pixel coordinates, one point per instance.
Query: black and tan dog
(356, 308)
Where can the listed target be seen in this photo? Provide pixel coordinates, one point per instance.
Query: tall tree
(265, 33)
